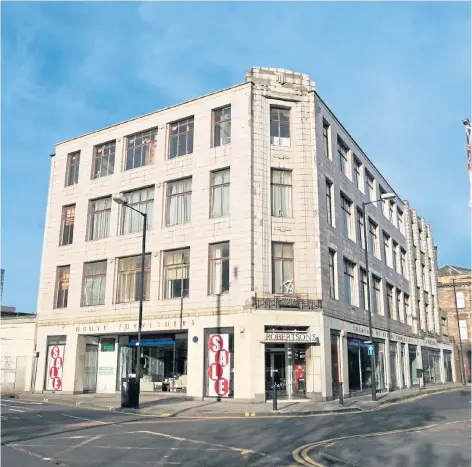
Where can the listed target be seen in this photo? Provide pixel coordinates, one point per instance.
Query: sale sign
(55, 367)
(218, 365)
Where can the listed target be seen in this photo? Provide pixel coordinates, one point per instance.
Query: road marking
(83, 443)
(86, 419)
(301, 454)
(25, 451)
(16, 410)
(16, 401)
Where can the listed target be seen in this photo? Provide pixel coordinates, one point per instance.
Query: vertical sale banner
(55, 366)
(218, 365)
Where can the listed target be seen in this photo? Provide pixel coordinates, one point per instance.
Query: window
(72, 170)
(129, 279)
(282, 268)
(219, 268)
(398, 305)
(423, 276)
(279, 126)
(219, 202)
(329, 202)
(370, 182)
(406, 309)
(140, 149)
(99, 218)
(390, 311)
(222, 126)
(346, 207)
(376, 297)
(343, 157)
(176, 273)
(281, 182)
(357, 173)
(386, 250)
(363, 291)
(373, 240)
(332, 274)
(94, 282)
(103, 160)
(360, 228)
(394, 255)
(327, 138)
(383, 201)
(179, 201)
(400, 221)
(403, 269)
(143, 201)
(460, 299)
(62, 286)
(349, 282)
(463, 329)
(67, 225)
(391, 208)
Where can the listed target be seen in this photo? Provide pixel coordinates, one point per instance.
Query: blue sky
(396, 74)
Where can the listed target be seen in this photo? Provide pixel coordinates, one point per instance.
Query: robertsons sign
(291, 336)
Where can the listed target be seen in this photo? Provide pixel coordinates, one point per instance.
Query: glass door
(90, 368)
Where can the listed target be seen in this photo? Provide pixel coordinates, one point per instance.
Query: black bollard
(341, 395)
(274, 398)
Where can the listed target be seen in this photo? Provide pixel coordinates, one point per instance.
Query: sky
(396, 74)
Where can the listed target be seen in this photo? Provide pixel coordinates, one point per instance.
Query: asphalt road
(432, 431)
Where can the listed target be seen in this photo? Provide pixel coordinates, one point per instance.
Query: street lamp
(120, 199)
(385, 196)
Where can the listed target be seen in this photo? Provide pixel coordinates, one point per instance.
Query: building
(447, 303)
(17, 358)
(254, 270)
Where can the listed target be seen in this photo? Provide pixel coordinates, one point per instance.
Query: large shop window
(335, 366)
(359, 366)
(282, 268)
(448, 367)
(431, 366)
(413, 364)
(393, 365)
(163, 361)
(56, 347)
(219, 362)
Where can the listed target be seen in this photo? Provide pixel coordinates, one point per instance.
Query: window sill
(179, 157)
(135, 168)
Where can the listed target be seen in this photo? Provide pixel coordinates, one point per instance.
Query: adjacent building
(455, 322)
(254, 269)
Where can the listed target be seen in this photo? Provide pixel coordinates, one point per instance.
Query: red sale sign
(55, 367)
(218, 365)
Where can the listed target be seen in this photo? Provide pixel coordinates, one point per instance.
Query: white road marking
(16, 410)
(20, 407)
(86, 419)
(16, 401)
(3, 417)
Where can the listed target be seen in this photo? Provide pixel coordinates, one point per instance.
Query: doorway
(90, 368)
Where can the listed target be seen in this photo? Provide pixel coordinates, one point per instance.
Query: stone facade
(253, 233)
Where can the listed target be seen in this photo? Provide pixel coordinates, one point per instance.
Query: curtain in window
(176, 273)
(142, 200)
(179, 199)
(99, 225)
(219, 268)
(220, 196)
(281, 193)
(129, 279)
(94, 283)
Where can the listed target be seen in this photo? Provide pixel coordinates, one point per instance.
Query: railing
(277, 302)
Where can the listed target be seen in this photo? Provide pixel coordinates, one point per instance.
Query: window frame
(395, 248)
(89, 217)
(363, 289)
(357, 172)
(168, 198)
(360, 237)
(215, 123)
(343, 155)
(373, 238)
(387, 249)
(153, 132)
(64, 217)
(75, 167)
(370, 182)
(212, 260)
(329, 195)
(389, 292)
(376, 295)
(333, 290)
(327, 139)
(135, 271)
(84, 277)
(346, 215)
(281, 139)
(222, 186)
(183, 265)
(349, 275)
(109, 156)
(62, 278)
(282, 260)
(124, 212)
(281, 187)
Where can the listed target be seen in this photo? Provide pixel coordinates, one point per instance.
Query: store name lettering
(291, 337)
(146, 325)
(390, 335)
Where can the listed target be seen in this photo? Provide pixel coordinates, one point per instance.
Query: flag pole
(468, 136)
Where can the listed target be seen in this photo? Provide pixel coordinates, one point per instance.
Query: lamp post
(124, 202)
(461, 353)
(385, 196)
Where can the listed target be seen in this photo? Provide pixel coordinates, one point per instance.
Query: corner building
(254, 246)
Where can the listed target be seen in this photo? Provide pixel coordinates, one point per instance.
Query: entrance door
(20, 373)
(90, 368)
(275, 372)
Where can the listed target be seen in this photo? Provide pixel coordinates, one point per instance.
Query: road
(432, 431)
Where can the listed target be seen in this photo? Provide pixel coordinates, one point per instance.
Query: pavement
(432, 430)
(178, 405)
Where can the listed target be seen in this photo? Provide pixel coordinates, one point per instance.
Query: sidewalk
(171, 405)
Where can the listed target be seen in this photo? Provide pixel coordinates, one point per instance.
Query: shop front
(285, 358)
(431, 359)
(413, 359)
(448, 376)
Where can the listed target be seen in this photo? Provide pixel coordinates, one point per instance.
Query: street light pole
(369, 306)
(124, 202)
(461, 354)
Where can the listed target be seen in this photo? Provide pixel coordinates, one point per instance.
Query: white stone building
(252, 191)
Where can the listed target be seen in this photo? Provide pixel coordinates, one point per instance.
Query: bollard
(274, 398)
(341, 395)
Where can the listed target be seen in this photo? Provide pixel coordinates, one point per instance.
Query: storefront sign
(55, 366)
(106, 371)
(218, 365)
(132, 326)
(295, 337)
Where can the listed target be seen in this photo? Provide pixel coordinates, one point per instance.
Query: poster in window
(55, 366)
(218, 365)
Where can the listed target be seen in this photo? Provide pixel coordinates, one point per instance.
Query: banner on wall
(218, 365)
(55, 367)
